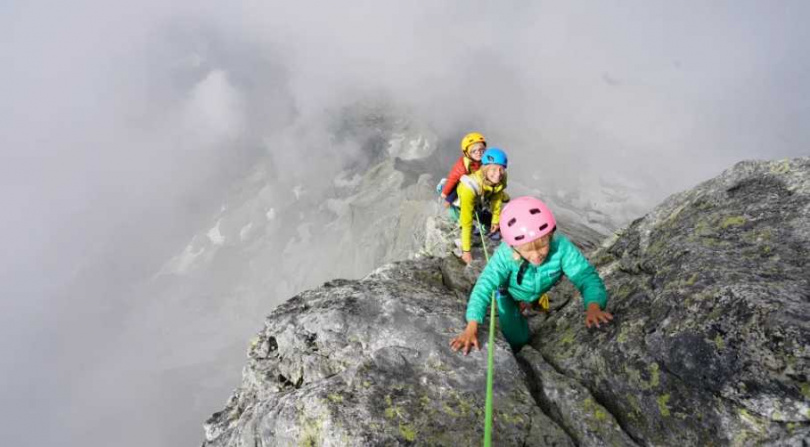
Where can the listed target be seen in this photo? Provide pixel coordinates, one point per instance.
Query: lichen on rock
(710, 344)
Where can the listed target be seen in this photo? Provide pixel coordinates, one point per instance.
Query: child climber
(472, 148)
(530, 261)
(485, 186)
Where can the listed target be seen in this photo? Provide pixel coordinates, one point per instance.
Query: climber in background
(482, 193)
(472, 149)
(530, 261)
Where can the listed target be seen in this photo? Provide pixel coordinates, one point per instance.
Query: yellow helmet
(470, 139)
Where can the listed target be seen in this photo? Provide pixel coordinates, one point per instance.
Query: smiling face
(493, 173)
(535, 251)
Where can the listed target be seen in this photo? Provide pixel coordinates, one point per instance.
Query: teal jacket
(563, 258)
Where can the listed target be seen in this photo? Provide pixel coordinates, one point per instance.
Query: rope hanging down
(490, 349)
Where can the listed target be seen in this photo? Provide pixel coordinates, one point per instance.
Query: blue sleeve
(452, 196)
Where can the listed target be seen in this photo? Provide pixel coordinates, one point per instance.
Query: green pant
(514, 326)
(454, 213)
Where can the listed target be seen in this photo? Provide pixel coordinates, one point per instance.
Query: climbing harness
(543, 301)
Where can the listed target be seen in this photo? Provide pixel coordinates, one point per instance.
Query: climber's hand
(466, 257)
(467, 339)
(594, 315)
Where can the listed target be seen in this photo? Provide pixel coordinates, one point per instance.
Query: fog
(124, 128)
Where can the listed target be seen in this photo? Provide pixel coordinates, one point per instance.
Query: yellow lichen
(464, 405)
(733, 221)
(408, 432)
(702, 228)
(310, 432)
(718, 341)
(691, 281)
(446, 408)
(654, 376)
(568, 337)
(662, 405)
(805, 388)
(391, 410)
(595, 409)
(622, 338)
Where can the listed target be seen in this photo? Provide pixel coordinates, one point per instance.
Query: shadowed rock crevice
(533, 383)
(580, 413)
(621, 421)
(606, 403)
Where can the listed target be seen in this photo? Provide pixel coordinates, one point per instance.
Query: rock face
(710, 344)
(711, 293)
(368, 363)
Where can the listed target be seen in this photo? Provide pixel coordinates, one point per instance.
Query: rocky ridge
(711, 293)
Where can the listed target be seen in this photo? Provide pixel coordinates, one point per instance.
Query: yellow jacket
(471, 188)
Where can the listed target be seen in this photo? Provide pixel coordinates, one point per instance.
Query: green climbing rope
(490, 350)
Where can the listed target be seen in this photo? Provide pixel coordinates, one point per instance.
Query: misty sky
(123, 127)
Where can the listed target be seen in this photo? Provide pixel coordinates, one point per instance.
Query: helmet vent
(520, 238)
(534, 211)
(543, 227)
(511, 222)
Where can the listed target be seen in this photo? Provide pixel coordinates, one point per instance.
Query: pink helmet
(525, 219)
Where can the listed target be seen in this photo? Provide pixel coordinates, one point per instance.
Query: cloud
(124, 127)
(215, 110)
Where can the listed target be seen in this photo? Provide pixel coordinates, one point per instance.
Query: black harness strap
(521, 271)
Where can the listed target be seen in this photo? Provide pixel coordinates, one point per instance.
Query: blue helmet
(494, 156)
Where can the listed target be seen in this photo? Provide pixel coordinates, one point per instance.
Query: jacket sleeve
(467, 198)
(495, 274)
(453, 176)
(582, 274)
(497, 203)
(495, 207)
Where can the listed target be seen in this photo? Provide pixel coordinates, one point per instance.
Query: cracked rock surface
(711, 293)
(368, 363)
(710, 344)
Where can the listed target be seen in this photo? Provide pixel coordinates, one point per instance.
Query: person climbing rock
(528, 263)
(483, 190)
(472, 149)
